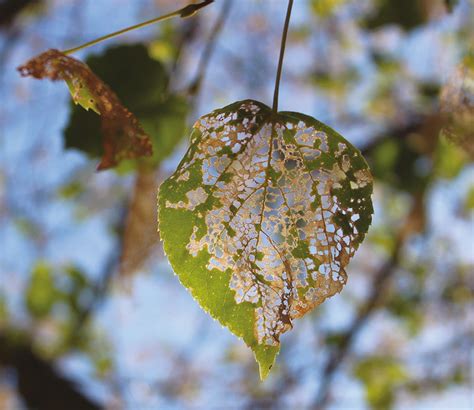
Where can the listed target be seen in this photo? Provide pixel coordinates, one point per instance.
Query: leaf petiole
(282, 54)
(183, 12)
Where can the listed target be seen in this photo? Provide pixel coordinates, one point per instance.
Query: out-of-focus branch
(195, 85)
(380, 283)
(429, 125)
(140, 234)
(100, 289)
(9, 9)
(40, 385)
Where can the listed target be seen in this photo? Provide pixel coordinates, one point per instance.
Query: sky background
(155, 332)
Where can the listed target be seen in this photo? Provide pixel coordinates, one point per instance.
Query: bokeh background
(91, 314)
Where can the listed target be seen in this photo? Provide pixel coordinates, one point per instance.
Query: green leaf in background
(380, 375)
(41, 293)
(141, 84)
(4, 314)
(406, 13)
(450, 159)
(261, 218)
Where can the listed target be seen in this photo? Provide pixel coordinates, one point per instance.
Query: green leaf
(451, 4)
(41, 293)
(457, 106)
(325, 8)
(381, 376)
(262, 216)
(408, 14)
(142, 87)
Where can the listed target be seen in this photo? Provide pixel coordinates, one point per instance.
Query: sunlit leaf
(142, 87)
(451, 4)
(405, 13)
(123, 137)
(3, 310)
(261, 218)
(324, 8)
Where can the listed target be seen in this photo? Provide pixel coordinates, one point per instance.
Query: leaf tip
(265, 357)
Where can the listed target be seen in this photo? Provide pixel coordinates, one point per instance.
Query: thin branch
(184, 12)
(380, 283)
(100, 289)
(209, 49)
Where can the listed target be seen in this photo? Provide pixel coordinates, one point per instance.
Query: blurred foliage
(451, 4)
(3, 311)
(10, 9)
(404, 13)
(381, 375)
(469, 203)
(41, 293)
(324, 8)
(450, 159)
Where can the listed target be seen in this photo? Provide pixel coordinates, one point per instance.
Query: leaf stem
(282, 54)
(184, 12)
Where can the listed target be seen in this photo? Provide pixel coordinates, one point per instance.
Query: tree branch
(40, 385)
(380, 284)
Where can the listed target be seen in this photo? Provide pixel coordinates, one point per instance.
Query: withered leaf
(145, 92)
(123, 136)
(261, 218)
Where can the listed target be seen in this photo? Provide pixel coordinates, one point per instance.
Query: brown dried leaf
(123, 136)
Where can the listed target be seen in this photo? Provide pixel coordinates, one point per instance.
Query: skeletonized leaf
(261, 218)
(123, 137)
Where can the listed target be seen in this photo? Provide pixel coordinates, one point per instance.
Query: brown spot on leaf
(123, 136)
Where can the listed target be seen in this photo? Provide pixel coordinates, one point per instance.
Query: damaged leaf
(261, 218)
(123, 136)
(161, 114)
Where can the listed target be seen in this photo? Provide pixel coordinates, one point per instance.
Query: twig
(209, 49)
(40, 385)
(184, 12)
